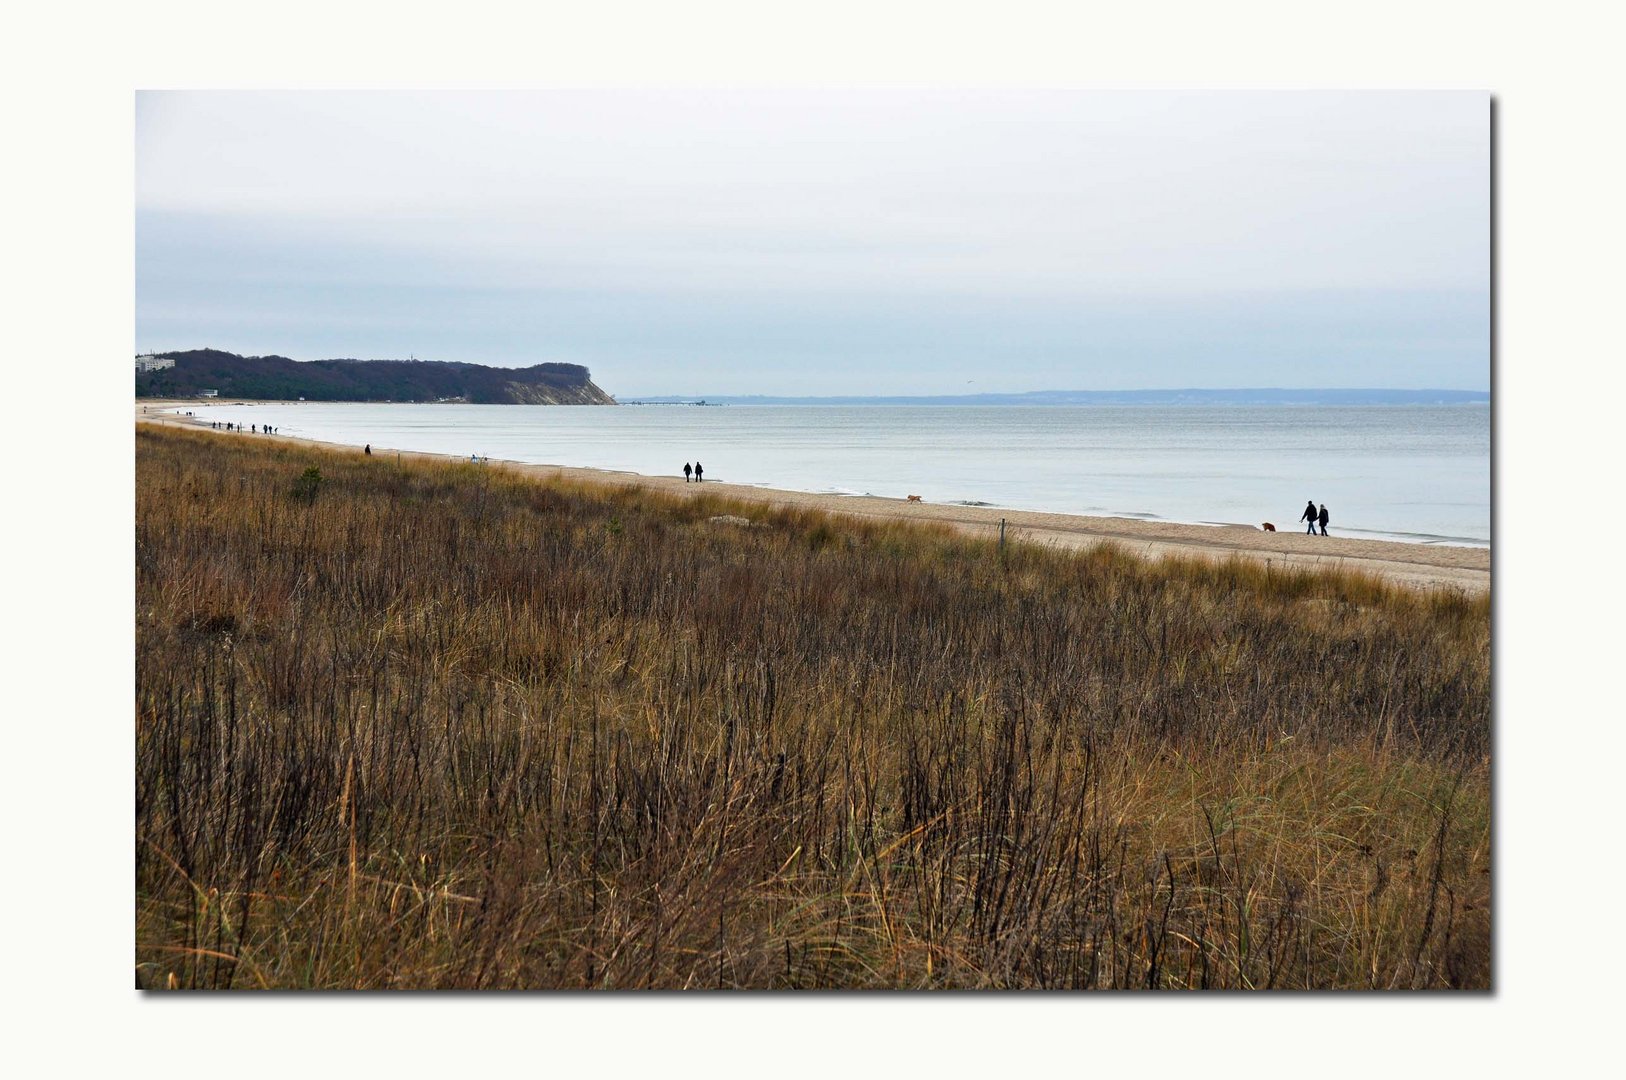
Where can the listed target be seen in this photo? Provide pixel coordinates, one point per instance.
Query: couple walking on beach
(1314, 518)
(697, 470)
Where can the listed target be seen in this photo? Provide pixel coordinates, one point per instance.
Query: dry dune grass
(440, 726)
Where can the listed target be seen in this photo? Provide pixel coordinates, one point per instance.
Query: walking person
(686, 471)
(1322, 519)
(1309, 515)
(697, 472)
(368, 449)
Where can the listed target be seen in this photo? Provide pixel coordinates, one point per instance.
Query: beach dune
(1418, 565)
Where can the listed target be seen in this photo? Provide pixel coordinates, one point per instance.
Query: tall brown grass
(443, 726)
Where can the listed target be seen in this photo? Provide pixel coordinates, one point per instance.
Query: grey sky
(829, 242)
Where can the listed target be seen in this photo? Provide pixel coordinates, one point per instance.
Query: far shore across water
(1417, 565)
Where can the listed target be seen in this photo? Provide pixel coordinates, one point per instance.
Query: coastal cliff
(280, 378)
(530, 393)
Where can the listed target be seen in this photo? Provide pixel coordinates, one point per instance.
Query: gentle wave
(1416, 537)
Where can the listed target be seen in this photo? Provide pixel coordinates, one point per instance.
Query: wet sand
(1417, 565)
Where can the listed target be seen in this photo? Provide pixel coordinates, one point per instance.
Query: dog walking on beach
(1268, 527)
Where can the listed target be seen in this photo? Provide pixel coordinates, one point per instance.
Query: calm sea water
(1407, 472)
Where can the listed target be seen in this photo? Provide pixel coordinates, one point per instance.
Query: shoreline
(1416, 565)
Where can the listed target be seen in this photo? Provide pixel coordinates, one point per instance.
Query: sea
(1418, 473)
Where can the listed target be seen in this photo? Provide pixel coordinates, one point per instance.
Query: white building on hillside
(154, 363)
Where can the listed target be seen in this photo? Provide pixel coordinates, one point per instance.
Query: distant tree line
(278, 377)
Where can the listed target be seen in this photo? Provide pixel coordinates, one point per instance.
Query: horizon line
(1123, 390)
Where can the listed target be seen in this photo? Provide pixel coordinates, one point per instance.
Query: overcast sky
(823, 242)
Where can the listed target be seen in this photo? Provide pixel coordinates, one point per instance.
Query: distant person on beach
(686, 472)
(1309, 515)
(697, 472)
(1322, 519)
(368, 449)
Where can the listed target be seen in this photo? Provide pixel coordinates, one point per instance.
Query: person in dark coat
(697, 472)
(686, 472)
(1322, 519)
(368, 449)
(1309, 515)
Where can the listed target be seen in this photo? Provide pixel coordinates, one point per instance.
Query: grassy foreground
(443, 726)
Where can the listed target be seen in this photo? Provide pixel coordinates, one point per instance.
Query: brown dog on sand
(1268, 527)
(914, 498)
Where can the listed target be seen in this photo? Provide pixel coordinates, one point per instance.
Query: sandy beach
(1417, 565)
